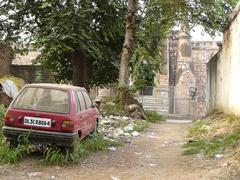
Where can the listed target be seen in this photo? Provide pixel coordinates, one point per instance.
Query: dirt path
(156, 154)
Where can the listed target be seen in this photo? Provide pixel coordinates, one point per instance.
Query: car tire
(75, 145)
(12, 144)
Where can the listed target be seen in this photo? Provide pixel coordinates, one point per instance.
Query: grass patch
(214, 134)
(2, 114)
(54, 155)
(13, 155)
(210, 147)
(116, 109)
(140, 125)
(154, 117)
(199, 129)
(112, 106)
(82, 149)
(7, 154)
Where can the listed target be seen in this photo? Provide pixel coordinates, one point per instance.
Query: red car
(50, 114)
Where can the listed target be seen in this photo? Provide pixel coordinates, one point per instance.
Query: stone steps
(160, 111)
(156, 107)
(155, 104)
(154, 101)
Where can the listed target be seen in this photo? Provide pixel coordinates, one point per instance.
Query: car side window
(81, 101)
(77, 105)
(88, 100)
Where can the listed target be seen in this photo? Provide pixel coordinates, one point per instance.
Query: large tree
(80, 40)
(149, 21)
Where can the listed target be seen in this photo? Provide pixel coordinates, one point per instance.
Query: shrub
(213, 134)
(112, 106)
(154, 117)
(140, 125)
(9, 154)
(2, 114)
(212, 146)
(81, 150)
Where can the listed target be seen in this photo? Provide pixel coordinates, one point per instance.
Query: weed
(213, 134)
(112, 106)
(116, 109)
(140, 125)
(2, 114)
(207, 147)
(199, 129)
(154, 117)
(56, 156)
(81, 150)
(212, 146)
(122, 124)
(13, 155)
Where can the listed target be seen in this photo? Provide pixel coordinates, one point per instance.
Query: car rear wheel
(75, 145)
(95, 130)
(11, 143)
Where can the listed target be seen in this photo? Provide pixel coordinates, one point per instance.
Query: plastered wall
(224, 73)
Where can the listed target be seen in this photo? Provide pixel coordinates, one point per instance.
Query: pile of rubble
(132, 108)
(118, 128)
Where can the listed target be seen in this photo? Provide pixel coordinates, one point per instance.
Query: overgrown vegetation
(214, 134)
(140, 125)
(93, 143)
(81, 150)
(13, 155)
(154, 117)
(112, 106)
(212, 146)
(52, 155)
(8, 154)
(2, 114)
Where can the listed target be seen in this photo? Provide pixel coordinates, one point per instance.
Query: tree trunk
(81, 71)
(127, 50)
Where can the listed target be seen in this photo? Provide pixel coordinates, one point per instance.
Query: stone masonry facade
(181, 87)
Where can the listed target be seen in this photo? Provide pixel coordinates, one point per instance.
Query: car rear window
(43, 99)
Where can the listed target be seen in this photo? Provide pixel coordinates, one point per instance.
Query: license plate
(34, 121)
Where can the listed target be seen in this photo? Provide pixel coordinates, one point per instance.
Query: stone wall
(202, 53)
(224, 72)
(17, 67)
(181, 86)
(185, 78)
(32, 73)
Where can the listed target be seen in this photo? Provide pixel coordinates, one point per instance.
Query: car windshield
(43, 99)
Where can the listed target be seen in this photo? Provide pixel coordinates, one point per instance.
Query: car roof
(55, 86)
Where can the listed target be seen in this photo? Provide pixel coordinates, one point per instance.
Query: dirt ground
(156, 154)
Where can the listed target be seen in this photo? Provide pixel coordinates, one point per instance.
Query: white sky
(198, 34)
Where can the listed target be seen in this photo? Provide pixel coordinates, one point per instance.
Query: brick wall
(32, 73)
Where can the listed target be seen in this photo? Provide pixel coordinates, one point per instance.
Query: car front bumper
(40, 137)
